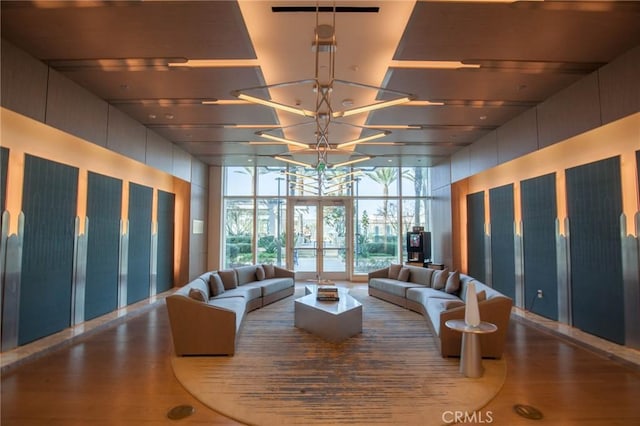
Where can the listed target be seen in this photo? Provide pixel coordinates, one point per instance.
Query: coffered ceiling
(510, 56)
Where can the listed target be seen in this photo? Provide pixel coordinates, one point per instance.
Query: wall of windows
(387, 202)
(381, 223)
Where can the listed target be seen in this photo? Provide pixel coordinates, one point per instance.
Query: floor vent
(180, 412)
(527, 411)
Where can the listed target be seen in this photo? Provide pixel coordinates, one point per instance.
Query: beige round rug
(392, 373)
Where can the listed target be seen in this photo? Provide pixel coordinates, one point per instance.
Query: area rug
(392, 373)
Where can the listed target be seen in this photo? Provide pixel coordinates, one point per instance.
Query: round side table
(470, 354)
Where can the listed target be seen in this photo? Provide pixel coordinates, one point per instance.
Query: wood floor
(123, 376)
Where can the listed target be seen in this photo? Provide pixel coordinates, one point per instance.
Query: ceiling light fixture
(292, 161)
(360, 140)
(435, 65)
(283, 140)
(354, 161)
(324, 43)
(215, 63)
(273, 104)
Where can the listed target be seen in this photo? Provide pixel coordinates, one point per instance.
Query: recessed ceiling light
(437, 65)
(168, 116)
(483, 117)
(424, 103)
(225, 102)
(152, 116)
(215, 63)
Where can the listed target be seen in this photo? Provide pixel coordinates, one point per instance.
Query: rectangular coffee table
(333, 321)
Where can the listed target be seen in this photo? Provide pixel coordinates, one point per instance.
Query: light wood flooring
(122, 375)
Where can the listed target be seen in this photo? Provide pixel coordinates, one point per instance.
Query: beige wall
(23, 135)
(33, 90)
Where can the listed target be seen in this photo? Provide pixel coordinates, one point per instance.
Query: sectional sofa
(439, 295)
(207, 313)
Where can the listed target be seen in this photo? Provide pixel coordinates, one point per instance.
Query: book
(327, 293)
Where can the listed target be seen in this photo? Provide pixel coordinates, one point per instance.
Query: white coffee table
(334, 321)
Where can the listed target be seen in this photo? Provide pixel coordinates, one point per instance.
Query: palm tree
(420, 188)
(384, 176)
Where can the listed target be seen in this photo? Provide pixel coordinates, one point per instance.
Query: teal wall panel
(104, 207)
(4, 165)
(539, 213)
(476, 236)
(503, 265)
(594, 206)
(166, 209)
(139, 259)
(49, 201)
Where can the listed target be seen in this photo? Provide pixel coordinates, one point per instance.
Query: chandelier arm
(272, 86)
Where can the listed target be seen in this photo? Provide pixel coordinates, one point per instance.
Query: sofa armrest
(283, 273)
(200, 329)
(380, 273)
(496, 310)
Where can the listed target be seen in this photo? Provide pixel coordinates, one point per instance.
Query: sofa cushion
(246, 274)
(420, 275)
(229, 278)
(453, 282)
(260, 274)
(435, 307)
(269, 271)
(403, 275)
(234, 304)
(481, 295)
(394, 270)
(439, 279)
(216, 287)
(422, 294)
(198, 294)
(388, 285)
(274, 285)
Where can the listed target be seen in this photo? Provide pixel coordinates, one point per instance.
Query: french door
(318, 232)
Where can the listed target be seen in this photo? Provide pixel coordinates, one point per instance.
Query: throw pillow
(453, 282)
(450, 304)
(481, 295)
(439, 280)
(403, 275)
(260, 274)
(269, 271)
(197, 294)
(215, 285)
(394, 270)
(229, 279)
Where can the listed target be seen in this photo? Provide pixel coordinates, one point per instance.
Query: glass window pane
(414, 213)
(238, 180)
(272, 231)
(271, 181)
(376, 234)
(415, 181)
(302, 182)
(305, 238)
(238, 232)
(383, 181)
(337, 183)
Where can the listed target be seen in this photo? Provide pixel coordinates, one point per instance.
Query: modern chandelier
(323, 114)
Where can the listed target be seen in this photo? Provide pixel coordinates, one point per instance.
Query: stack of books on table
(327, 293)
